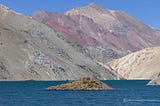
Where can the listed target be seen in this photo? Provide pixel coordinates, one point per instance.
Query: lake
(33, 93)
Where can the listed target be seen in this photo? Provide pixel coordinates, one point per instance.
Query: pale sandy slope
(144, 64)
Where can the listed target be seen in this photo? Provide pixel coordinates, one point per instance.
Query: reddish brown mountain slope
(80, 28)
(85, 32)
(125, 27)
(95, 25)
(105, 34)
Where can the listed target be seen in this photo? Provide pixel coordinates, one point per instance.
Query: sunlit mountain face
(72, 45)
(106, 34)
(30, 50)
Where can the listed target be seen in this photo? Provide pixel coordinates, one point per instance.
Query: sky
(147, 11)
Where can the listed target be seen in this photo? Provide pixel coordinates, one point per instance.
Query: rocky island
(155, 81)
(85, 83)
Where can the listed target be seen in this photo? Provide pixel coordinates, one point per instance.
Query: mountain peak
(93, 4)
(96, 6)
(89, 8)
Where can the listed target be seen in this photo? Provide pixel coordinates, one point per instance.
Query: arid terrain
(89, 41)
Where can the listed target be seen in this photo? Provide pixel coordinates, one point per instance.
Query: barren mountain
(105, 34)
(91, 36)
(31, 50)
(122, 25)
(144, 64)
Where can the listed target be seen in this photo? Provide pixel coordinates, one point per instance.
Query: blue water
(33, 93)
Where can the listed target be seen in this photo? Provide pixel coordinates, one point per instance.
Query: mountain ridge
(119, 19)
(99, 30)
(30, 50)
(52, 46)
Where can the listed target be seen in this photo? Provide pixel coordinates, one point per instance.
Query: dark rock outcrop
(86, 83)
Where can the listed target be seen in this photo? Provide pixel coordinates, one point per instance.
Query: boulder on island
(82, 84)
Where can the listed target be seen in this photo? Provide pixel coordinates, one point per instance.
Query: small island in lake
(155, 81)
(85, 83)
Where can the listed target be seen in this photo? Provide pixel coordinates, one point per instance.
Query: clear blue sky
(147, 11)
